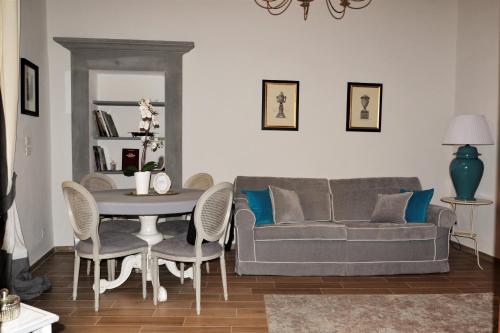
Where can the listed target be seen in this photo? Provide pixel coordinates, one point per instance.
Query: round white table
(147, 207)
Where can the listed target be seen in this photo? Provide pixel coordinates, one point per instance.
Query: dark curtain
(4, 271)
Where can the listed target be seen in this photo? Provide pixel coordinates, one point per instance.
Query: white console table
(30, 320)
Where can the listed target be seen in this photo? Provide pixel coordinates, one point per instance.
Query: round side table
(472, 205)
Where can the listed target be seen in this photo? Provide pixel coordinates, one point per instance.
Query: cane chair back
(83, 212)
(212, 213)
(97, 182)
(199, 181)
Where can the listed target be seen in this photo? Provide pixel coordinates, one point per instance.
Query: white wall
(33, 198)
(477, 86)
(407, 45)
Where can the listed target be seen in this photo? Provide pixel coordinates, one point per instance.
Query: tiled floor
(123, 310)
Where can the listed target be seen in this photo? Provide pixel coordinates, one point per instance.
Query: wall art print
(280, 105)
(364, 107)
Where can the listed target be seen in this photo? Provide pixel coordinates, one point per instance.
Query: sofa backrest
(314, 193)
(355, 199)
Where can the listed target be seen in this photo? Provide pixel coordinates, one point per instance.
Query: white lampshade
(468, 129)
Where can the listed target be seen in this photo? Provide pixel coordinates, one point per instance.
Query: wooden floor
(123, 310)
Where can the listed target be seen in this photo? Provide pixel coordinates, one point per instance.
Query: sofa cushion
(354, 199)
(370, 231)
(301, 231)
(286, 206)
(391, 208)
(314, 193)
(416, 211)
(259, 202)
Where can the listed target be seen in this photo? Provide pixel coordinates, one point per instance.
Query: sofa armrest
(244, 222)
(441, 216)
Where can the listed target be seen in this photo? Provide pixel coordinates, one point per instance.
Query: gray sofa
(337, 237)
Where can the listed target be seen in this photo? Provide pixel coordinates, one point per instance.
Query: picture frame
(280, 105)
(29, 88)
(364, 107)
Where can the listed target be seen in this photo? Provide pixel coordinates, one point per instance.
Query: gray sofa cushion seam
(298, 239)
(390, 240)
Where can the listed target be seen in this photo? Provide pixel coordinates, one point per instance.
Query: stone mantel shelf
(102, 44)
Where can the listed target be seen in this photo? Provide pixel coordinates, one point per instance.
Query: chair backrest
(83, 212)
(97, 182)
(212, 214)
(199, 181)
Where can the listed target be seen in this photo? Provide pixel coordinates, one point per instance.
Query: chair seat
(174, 228)
(112, 242)
(179, 247)
(123, 225)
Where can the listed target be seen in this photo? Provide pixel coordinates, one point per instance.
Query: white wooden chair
(93, 245)
(94, 182)
(173, 228)
(211, 218)
(199, 181)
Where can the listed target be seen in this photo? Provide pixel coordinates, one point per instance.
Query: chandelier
(336, 8)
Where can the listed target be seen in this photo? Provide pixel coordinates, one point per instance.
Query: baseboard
(482, 255)
(37, 263)
(64, 249)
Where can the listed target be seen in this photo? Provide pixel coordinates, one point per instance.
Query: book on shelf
(105, 124)
(130, 158)
(110, 124)
(100, 159)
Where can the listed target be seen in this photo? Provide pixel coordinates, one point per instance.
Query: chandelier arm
(268, 5)
(333, 11)
(279, 12)
(362, 6)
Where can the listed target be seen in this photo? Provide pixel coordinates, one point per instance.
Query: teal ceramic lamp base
(466, 171)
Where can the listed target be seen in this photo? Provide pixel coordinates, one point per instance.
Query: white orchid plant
(149, 121)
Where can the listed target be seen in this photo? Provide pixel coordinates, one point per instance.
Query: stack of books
(105, 124)
(100, 159)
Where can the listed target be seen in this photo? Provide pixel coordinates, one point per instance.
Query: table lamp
(466, 169)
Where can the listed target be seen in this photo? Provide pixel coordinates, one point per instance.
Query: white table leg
(148, 230)
(172, 268)
(150, 234)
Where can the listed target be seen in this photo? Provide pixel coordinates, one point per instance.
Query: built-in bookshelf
(91, 55)
(115, 130)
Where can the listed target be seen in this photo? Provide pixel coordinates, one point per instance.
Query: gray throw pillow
(286, 205)
(391, 208)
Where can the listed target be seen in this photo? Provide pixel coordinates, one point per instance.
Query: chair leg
(198, 287)
(207, 266)
(97, 277)
(194, 275)
(144, 260)
(89, 262)
(76, 273)
(182, 272)
(113, 269)
(223, 274)
(109, 263)
(155, 278)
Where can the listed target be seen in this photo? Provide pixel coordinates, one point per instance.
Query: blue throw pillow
(416, 210)
(260, 204)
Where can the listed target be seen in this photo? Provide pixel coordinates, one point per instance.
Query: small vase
(142, 182)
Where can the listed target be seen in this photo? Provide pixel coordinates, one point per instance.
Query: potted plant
(148, 122)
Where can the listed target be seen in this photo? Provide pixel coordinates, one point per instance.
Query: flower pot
(142, 179)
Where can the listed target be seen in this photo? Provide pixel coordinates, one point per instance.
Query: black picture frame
(369, 119)
(30, 92)
(292, 109)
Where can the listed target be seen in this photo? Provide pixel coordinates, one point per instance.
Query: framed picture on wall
(280, 105)
(29, 88)
(364, 107)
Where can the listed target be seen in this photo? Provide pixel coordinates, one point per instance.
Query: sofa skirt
(342, 269)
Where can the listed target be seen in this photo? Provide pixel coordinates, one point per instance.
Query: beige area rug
(380, 313)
